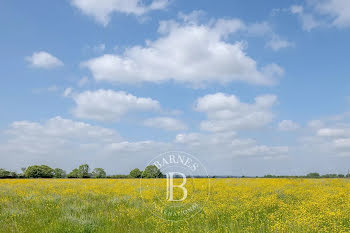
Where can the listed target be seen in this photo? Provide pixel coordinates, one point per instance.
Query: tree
(313, 175)
(135, 173)
(22, 175)
(4, 174)
(84, 171)
(36, 171)
(59, 173)
(74, 174)
(99, 173)
(152, 171)
(81, 172)
(330, 176)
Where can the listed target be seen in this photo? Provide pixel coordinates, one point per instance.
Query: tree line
(313, 175)
(83, 171)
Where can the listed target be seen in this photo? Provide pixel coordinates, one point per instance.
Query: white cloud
(56, 133)
(332, 132)
(342, 143)
(109, 105)
(101, 10)
(44, 60)
(141, 146)
(329, 136)
(52, 88)
(315, 124)
(338, 10)
(288, 125)
(308, 20)
(187, 52)
(259, 29)
(59, 127)
(296, 9)
(165, 123)
(228, 145)
(65, 143)
(193, 16)
(227, 112)
(67, 92)
(324, 13)
(276, 43)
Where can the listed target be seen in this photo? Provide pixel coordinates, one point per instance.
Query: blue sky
(248, 87)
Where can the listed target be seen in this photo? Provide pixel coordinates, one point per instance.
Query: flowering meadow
(234, 205)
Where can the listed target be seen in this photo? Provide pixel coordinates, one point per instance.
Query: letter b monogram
(170, 186)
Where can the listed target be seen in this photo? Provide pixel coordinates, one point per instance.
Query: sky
(248, 87)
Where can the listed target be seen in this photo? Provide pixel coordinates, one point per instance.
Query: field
(235, 205)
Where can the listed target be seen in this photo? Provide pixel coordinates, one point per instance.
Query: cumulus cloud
(228, 113)
(338, 10)
(186, 52)
(342, 143)
(166, 123)
(44, 60)
(276, 43)
(101, 10)
(140, 146)
(109, 105)
(288, 125)
(60, 142)
(315, 124)
(229, 145)
(65, 143)
(297, 9)
(330, 136)
(333, 132)
(57, 133)
(324, 13)
(308, 20)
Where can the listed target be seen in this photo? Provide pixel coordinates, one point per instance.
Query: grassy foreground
(235, 205)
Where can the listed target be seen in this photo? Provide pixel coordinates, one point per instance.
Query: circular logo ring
(175, 186)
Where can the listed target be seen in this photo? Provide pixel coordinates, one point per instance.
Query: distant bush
(330, 176)
(59, 173)
(313, 175)
(99, 173)
(81, 172)
(4, 174)
(36, 171)
(74, 173)
(152, 171)
(135, 173)
(269, 176)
